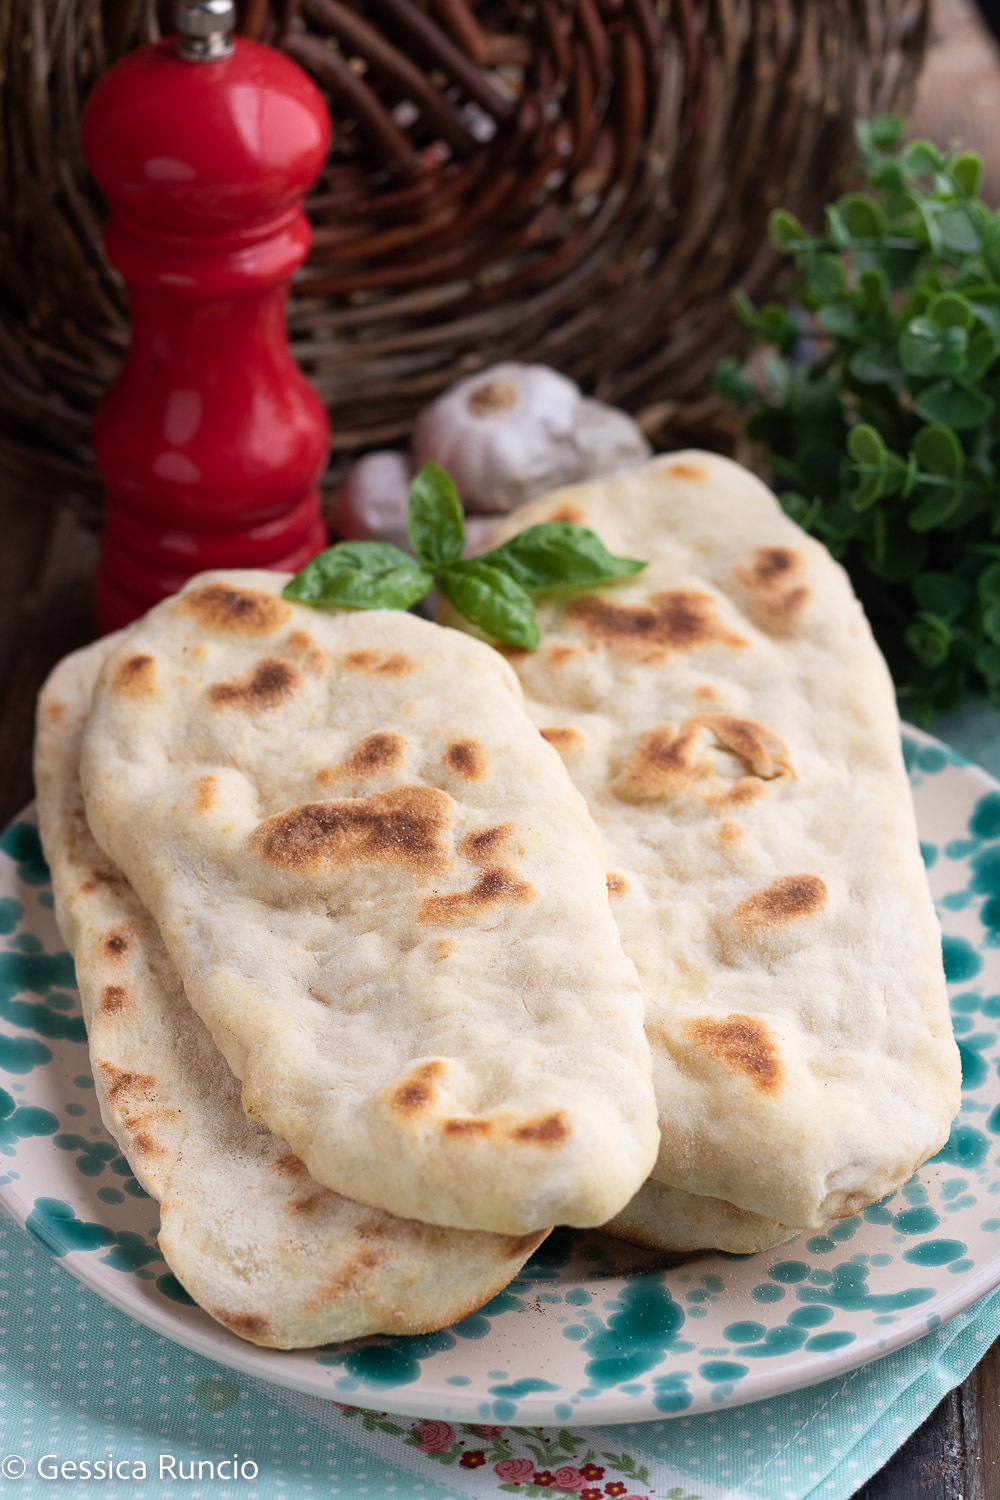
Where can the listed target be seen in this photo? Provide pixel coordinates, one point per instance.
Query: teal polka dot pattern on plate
(592, 1330)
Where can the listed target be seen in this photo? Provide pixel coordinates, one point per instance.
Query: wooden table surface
(45, 563)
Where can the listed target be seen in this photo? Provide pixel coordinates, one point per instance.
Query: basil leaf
(559, 555)
(492, 600)
(360, 575)
(434, 520)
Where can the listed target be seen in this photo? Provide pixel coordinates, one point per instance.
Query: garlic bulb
(515, 431)
(371, 503)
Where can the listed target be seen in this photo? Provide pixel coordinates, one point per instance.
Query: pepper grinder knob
(204, 29)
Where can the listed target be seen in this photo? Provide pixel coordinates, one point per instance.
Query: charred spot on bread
(404, 826)
(547, 1131)
(563, 737)
(783, 901)
(135, 676)
(467, 757)
(385, 663)
(672, 620)
(373, 756)
(497, 886)
(236, 611)
(744, 1043)
(271, 683)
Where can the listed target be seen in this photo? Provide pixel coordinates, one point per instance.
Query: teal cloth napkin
(82, 1383)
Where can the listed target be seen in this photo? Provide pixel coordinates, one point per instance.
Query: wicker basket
(580, 182)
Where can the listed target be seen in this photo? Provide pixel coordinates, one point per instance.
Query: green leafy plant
(874, 387)
(493, 591)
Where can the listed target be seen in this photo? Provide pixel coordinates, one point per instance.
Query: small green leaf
(744, 308)
(991, 621)
(922, 158)
(865, 445)
(959, 232)
(950, 310)
(862, 215)
(988, 662)
(899, 264)
(981, 353)
(988, 583)
(929, 639)
(991, 245)
(967, 170)
(927, 350)
(875, 364)
(360, 575)
(731, 384)
(434, 523)
(985, 303)
(870, 296)
(802, 511)
(866, 448)
(954, 405)
(492, 600)
(825, 279)
(941, 593)
(839, 318)
(784, 230)
(938, 450)
(836, 229)
(882, 131)
(559, 555)
(934, 507)
(774, 325)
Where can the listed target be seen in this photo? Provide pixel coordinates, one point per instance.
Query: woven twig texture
(581, 182)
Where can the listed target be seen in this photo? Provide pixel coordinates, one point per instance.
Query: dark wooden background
(46, 559)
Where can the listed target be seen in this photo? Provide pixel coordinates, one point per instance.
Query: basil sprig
(493, 590)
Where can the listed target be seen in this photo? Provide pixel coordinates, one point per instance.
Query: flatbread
(384, 898)
(272, 1255)
(661, 1217)
(733, 728)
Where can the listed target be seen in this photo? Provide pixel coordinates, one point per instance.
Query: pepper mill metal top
(204, 29)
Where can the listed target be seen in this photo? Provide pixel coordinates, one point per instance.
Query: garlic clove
(608, 439)
(504, 435)
(371, 503)
(515, 431)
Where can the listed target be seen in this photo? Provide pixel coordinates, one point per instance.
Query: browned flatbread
(384, 897)
(733, 728)
(264, 1248)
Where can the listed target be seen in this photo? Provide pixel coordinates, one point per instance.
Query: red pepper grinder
(211, 441)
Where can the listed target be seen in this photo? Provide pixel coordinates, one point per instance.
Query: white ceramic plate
(592, 1330)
